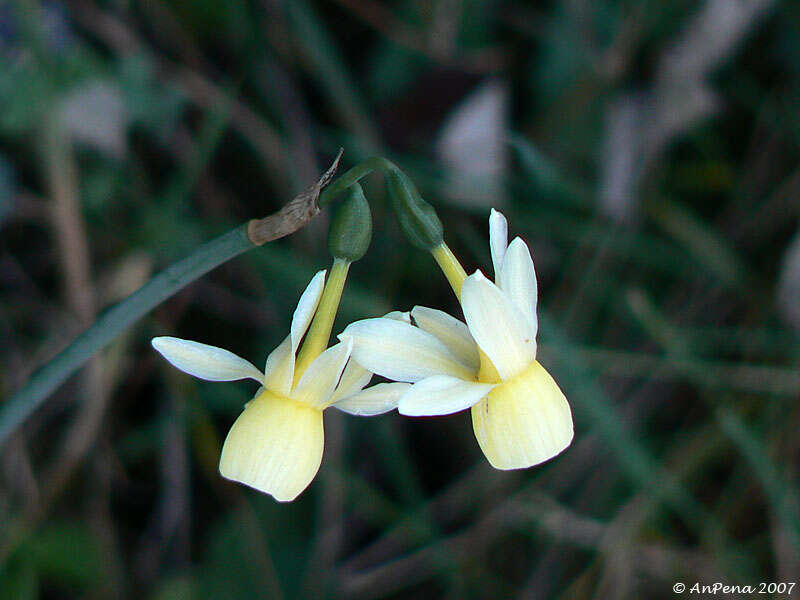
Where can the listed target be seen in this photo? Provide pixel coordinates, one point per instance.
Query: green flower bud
(417, 218)
(351, 226)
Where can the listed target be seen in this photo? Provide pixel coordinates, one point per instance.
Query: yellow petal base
(275, 446)
(524, 421)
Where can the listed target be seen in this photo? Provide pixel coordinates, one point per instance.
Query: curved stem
(451, 268)
(354, 175)
(113, 322)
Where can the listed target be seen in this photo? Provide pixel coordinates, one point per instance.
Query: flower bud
(351, 226)
(417, 218)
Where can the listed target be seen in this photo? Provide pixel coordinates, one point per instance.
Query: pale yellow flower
(520, 416)
(276, 443)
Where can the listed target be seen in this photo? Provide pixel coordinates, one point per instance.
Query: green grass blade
(781, 495)
(116, 320)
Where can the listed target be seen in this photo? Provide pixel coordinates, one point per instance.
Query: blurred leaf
(655, 323)
(565, 52)
(178, 588)
(65, 553)
(7, 189)
(591, 403)
(784, 499)
(18, 580)
(545, 175)
(154, 105)
(326, 60)
(392, 71)
(24, 93)
(707, 246)
(238, 563)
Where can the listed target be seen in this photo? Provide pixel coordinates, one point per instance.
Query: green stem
(113, 322)
(319, 334)
(354, 175)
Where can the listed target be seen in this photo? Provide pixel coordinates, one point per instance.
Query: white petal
(402, 352)
(498, 239)
(498, 326)
(322, 376)
(306, 307)
(354, 378)
(204, 361)
(375, 400)
(398, 315)
(451, 331)
(518, 279)
(523, 422)
(279, 370)
(441, 395)
(275, 446)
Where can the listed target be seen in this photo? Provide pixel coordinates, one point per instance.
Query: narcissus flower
(519, 414)
(276, 443)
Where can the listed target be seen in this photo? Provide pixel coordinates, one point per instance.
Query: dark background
(648, 153)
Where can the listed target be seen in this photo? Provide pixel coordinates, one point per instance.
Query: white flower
(276, 443)
(519, 414)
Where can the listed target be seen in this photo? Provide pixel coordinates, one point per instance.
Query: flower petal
(275, 446)
(204, 361)
(279, 370)
(441, 395)
(353, 380)
(306, 307)
(523, 422)
(498, 239)
(376, 400)
(498, 326)
(256, 395)
(398, 315)
(451, 331)
(518, 279)
(317, 384)
(400, 351)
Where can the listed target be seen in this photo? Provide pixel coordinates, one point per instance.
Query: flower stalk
(349, 237)
(319, 333)
(452, 269)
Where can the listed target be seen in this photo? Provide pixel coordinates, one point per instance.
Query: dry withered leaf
(293, 215)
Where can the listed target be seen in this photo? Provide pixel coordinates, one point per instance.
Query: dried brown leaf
(294, 215)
